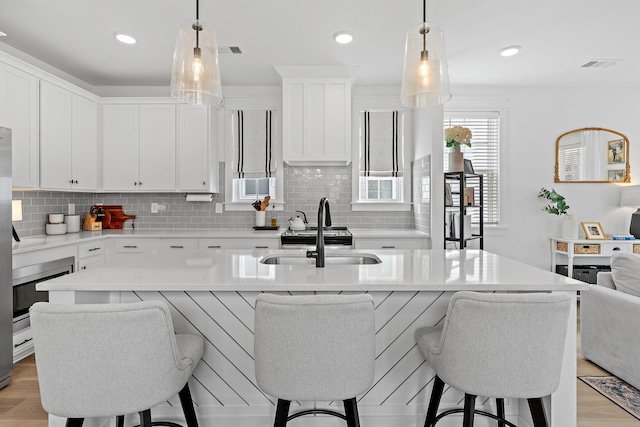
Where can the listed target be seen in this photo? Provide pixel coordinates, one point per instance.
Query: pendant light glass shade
(196, 73)
(425, 78)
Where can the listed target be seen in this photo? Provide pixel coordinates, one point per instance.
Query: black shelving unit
(458, 181)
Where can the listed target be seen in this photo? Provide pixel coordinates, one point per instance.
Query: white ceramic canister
(73, 223)
(56, 218)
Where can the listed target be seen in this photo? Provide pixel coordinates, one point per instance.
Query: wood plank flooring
(20, 401)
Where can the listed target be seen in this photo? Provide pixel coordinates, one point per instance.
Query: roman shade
(381, 143)
(252, 133)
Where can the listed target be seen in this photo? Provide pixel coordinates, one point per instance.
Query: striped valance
(382, 141)
(252, 147)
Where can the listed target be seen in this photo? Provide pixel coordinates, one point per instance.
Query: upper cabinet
(317, 121)
(197, 167)
(19, 112)
(139, 147)
(68, 140)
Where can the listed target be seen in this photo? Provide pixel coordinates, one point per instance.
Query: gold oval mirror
(592, 155)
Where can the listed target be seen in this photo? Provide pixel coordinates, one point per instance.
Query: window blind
(252, 144)
(484, 154)
(382, 144)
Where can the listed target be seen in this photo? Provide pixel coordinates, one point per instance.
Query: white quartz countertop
(241, 270)
(28, 244)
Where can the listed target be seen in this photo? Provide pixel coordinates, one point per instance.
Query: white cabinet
(91, 254)
(196, 156)
(317, 121)
(19, 112)
(239, 243)
(139, 147)
(68, 140)
(119, 248)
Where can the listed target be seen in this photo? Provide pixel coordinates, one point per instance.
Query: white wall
(535, 118)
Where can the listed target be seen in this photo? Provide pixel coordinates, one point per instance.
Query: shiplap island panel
(214, 295)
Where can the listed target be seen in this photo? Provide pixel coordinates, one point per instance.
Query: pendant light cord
(424, 20)
(198, 23)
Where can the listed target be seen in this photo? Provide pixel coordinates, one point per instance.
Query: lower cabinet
(118, 248)
(239, 243)
(91, 254)
(414, 243)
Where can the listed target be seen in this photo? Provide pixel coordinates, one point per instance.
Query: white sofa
(610, 320)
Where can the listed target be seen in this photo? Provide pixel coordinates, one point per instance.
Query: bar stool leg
(74, 422)
(500, 410)
(120, 421)
(434, 401)
(469, 406)
(537, 412)
(282, 412)
(351, 412)
(145, 418)
(187, 406)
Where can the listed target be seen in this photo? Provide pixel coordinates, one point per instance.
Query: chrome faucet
(324, 216)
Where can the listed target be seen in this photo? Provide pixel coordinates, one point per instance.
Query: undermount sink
(330, 258)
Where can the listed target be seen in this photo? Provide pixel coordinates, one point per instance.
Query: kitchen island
(214, 294)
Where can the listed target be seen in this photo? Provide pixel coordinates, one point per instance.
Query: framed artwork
(468, 196)
(593, 231)
(615, 175)
(448, 197)
(468, 166)
(616, 151)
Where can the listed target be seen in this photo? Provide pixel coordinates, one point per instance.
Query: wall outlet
(72, 208)
(218, 207)
(154, 208)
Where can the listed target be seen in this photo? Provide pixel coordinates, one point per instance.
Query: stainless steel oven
(24, 287)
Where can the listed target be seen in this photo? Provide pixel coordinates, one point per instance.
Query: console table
(583, 248)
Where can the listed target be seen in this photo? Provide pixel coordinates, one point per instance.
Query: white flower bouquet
(456, 136)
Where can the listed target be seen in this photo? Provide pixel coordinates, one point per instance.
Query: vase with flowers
(558, 206)
(454, 138)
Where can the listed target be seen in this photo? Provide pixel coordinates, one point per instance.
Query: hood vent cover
(601, 63)
(230, 50)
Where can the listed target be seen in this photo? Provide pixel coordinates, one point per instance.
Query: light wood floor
(20, 401)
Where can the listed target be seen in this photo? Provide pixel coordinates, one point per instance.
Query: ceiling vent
(230, 50)
(601, 63)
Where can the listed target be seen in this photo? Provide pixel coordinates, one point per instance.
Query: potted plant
(455, 137)
(558, 206)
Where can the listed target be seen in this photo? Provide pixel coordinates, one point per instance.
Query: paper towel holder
(198, 197)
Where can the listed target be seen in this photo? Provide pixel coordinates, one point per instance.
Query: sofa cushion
(625, 269)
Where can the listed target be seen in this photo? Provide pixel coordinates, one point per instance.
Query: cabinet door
(19, 112)
(55, 137)
(193, 149)
(120, 147)
(84, 146)
(157, 148)
(317, 121)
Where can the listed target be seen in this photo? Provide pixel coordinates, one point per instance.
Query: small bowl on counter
(53, 229)
(56, 218)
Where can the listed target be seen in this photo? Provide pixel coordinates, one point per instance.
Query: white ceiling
(557, 36)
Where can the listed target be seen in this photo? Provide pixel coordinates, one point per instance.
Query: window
(253, 158)
(484, 154)
(379, 161)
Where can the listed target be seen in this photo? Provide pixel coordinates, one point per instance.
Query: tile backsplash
(303, 188)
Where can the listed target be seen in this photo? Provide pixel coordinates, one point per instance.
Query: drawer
(239, 243)
(90, 249)
(390, 244)
(562, 246)
(586, 249)
(612, 248)
(175, 244)
(91, 262)
(636, 249)
(132, 245)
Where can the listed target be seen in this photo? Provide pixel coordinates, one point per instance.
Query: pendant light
(196, 74)
(425, 78)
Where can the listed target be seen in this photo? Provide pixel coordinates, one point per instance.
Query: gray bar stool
(104, 360)
(497, 346)
(314, 348)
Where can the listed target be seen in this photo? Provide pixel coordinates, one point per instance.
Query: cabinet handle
(71, 182)
(84, 267)
(176, 247)
(76, 181)
(93, 249)
(214, 247)
(388, 247)
(262, 247)
(616, 248)
(204, 183)
(22, 343)
(139, 183)
(130, 247)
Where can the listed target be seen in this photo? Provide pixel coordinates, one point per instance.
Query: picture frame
(468, 166)
(593, 231)
(616, 151)
(448, 196)
(616, 175)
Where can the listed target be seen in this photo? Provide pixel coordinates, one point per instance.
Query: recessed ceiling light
(125, 38)
(510, 50)
(343, 37)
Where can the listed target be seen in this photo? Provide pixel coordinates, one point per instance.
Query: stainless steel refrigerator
(6, 277)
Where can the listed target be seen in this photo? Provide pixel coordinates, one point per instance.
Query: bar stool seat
(104, 360)
(497, 346)
(314, 348)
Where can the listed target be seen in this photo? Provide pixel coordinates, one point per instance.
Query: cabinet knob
(76, 181)
(204, 183)
(71, 182)
(139, 183)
